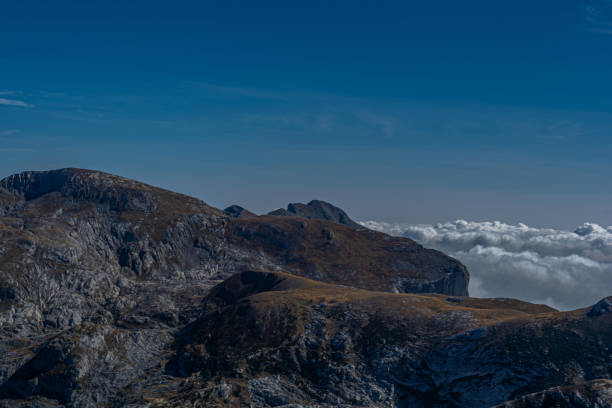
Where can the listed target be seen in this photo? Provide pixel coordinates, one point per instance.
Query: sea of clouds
(564, 269)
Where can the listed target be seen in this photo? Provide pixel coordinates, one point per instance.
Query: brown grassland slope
(273, 339)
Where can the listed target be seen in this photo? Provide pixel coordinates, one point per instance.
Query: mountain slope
(93, 219)
(77, 222)
(273, 339)
(97, 272)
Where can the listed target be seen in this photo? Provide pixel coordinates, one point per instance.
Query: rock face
(274, 339)
(98, 272)
(237, 211)
(604, 306)
(592, 394)
(319, 210)
(265, 339)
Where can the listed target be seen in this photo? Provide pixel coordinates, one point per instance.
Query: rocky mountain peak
(81, 185)
(604, 306)
(236, 211)
(33, 184)
(317, 209)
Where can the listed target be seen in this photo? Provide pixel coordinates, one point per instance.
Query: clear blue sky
(397, 111)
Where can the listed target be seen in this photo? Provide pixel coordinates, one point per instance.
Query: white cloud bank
(563, 269)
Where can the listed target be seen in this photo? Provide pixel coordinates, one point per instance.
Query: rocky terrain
(114, 293)
(590, 394)
(276, 339)
(317, 209)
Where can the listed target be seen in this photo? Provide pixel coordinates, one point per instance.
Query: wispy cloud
(17, 150)
(601, 30)
(14, 102)
(239, 91)
(268, 94)
(598, 15)
(9, 132)
(385, 125)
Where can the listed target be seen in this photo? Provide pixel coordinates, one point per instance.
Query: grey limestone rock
(317, 209)
(604, 306)
(99, 275)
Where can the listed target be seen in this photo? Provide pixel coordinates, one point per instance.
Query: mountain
(319, 210)
(265, 339)
(80, 219)
(272, 339)
(97, 273)
(115, 293)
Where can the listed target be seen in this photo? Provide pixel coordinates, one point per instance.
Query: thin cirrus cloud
(598, 16)
(9, 132)
(601, 30)
(14, 102)
(564, 269)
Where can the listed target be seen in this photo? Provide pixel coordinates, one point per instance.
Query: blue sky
(396, 111)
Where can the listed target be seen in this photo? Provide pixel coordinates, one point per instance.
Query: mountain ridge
(149, 223)
(116, 293)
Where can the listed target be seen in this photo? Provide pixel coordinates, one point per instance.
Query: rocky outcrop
(604, 306)
(281, 212)
(237, 211)
(319, 210)
(279, 339)
(592, 394)
(267, 339)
